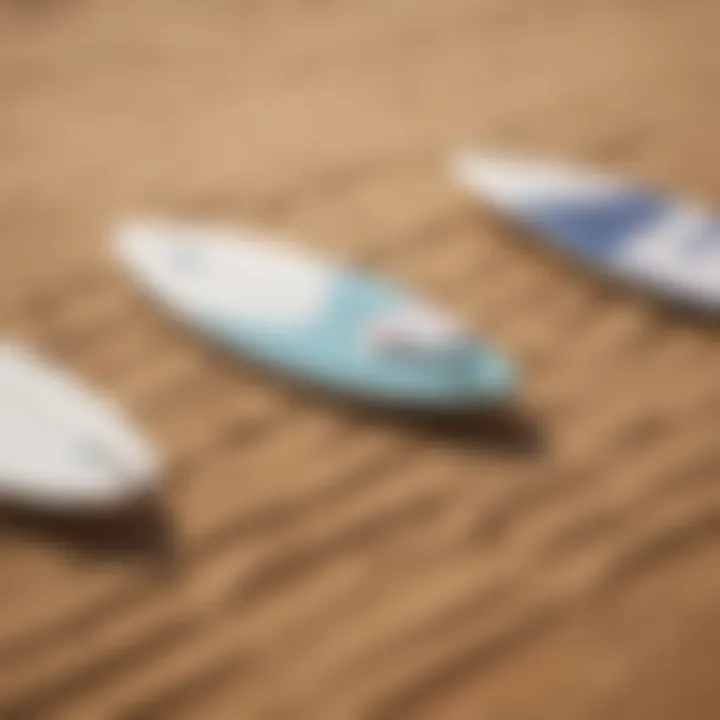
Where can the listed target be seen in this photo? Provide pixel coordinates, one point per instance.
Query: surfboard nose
(501, 181)
(514, 183)
(141, 244)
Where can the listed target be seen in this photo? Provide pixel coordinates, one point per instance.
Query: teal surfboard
(270, 301)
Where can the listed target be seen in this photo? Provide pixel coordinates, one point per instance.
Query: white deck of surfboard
(210, 271)
(509, 182)
(61, 446)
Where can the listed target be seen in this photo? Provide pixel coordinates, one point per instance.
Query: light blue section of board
(334, 352)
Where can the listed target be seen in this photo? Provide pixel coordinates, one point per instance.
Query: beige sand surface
(308, 562)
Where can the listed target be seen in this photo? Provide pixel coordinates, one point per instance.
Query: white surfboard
(62, 446)
(669, 245)
(271, 301)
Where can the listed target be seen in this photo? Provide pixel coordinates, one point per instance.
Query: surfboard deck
(62, 446)
(270, 301)
(670, 246)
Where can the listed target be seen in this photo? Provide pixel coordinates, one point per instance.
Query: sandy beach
(307, 561)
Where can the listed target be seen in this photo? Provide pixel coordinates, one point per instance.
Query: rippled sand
(307, 561)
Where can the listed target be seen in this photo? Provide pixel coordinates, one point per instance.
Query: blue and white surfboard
(668, 245)
(326, 324)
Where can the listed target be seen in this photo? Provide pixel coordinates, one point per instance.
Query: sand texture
(308, 561)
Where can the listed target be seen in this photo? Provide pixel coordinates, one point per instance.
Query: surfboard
(62, 446)
(641, 235)
(269, 300)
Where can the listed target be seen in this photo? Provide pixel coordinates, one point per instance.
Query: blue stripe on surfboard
(596, 229)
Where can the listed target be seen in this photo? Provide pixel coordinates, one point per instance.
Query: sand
(306, 561)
